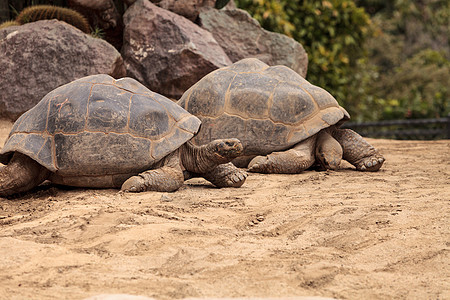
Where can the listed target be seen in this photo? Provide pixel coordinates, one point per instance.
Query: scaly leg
(358, 151)
(168, 178)
(294, 160)
(328, 151)
(21, 174)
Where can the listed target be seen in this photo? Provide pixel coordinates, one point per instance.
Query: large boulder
(241, 36)
(37, 57)
(189, 8)
(167, 52)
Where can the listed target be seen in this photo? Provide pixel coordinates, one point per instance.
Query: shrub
(333, 34)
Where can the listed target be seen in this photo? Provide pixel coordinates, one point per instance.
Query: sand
(339, 234)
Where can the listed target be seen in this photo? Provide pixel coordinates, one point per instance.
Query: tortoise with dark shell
(105, 133)
(285, 123)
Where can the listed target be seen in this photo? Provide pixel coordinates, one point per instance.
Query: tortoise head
(225, 150)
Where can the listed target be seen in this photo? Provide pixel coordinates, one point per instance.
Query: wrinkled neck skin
(200, 159)
(331, 129)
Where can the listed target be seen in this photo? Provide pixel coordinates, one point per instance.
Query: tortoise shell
(267, 108)
(97, 126)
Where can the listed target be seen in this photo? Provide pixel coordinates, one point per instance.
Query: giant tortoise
(105, 133)
(285, 123)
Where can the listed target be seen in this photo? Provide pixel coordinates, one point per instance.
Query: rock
(189, 8)
(241, 36)
(165, 198)
(166, 52)
(103, 15)
(40, 56)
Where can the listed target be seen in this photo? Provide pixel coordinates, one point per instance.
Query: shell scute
(263, 137)
(67, 107)
(174, 111)
(92, 153)
(250, 96)
(133, 85)
(291, 105)
(99, 78)
(320, 96)
(283, 73)
(107, 110)
(247, 65)
(203, 100)
(30, 123)
(33, 145)
(148, 121)
(331, 117)
(159, 148)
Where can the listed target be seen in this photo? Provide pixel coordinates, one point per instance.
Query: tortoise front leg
(358, 151)
(168, 178)
(226, 175)
(328, 151)
(21, 174)
(292, 161)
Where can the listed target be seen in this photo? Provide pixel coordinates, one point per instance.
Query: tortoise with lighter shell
(104, 133)
(285, 124)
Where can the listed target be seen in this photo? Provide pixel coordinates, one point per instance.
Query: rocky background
(167, 45)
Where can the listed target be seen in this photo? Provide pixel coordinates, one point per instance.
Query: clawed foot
(226, 175)
(370, 164)
(236, 179)
(260, 164)
(134, 184)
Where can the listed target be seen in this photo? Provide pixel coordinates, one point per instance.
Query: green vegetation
(98, 33)
(410, 49)
(383, 60)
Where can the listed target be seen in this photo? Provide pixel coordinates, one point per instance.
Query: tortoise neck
(197, 159)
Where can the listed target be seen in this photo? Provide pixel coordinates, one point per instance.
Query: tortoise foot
(134, 184)
(371, 163)
(236, 179)
(226, 175)
(260, 164)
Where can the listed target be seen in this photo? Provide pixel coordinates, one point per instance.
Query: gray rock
(166, 198)
(40, 56)
(189, 8)
(241, 36)
(165, 51)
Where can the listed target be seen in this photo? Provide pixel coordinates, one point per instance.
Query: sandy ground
(343, 234)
